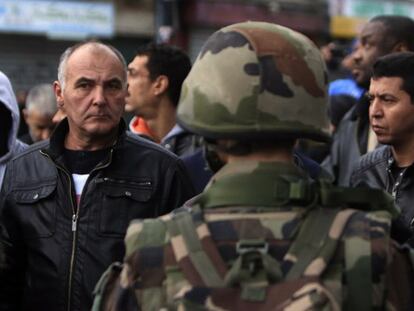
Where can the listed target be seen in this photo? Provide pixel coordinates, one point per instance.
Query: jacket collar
(267, 184)
(57, 139)
(391, 161)
(360, 110)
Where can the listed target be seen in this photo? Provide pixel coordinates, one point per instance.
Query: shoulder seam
(31, 149)
(372, 159)
(137, 141)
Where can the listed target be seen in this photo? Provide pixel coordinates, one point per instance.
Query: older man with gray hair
(67, 202)
(40, 108)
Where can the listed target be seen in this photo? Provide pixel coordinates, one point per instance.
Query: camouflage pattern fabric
(281, 85)
(353, 263)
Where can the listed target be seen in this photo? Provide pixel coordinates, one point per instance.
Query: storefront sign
(348, 16)
(73, 19)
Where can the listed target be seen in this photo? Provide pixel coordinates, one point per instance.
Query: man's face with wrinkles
(391, 111)
(95, 89)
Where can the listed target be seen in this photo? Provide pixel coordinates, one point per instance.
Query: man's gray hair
(41, 99)
(70, 50)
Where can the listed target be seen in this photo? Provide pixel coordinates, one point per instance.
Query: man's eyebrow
(385, 94)
(84, 79)
(382, 95)
(115, 79)
(366, 37)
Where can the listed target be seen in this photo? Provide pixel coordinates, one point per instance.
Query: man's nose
(99, 95)
(375, 110)
(356, 55)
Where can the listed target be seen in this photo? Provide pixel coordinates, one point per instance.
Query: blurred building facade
(33, 33)
(202, 17)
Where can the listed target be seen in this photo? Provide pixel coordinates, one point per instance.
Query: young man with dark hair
(391, 114)
(155, 77)
(382, 35)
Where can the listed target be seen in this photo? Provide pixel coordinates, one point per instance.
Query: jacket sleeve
(330, 163)
(12, 267)
(400, 278)
(177, 188)
(344, 152)
(357, 179)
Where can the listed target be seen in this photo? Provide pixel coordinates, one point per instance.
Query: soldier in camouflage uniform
(262, 235)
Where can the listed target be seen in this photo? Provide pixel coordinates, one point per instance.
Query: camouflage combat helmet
(254, 81)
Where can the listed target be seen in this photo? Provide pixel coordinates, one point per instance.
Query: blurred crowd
(74, 174)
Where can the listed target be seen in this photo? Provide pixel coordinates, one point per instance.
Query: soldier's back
(305, 245)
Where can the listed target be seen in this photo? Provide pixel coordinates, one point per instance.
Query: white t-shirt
(79, 181)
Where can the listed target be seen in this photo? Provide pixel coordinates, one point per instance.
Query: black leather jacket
(374, 170)
(56, 251)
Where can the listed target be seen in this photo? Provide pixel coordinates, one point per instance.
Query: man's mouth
(356, 72)
(378, 129)
(98, 116)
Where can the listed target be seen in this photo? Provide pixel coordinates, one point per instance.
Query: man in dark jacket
(391, 113)
(66, 203)
(382, 35)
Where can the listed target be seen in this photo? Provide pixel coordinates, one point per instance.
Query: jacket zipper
(398, 183)
(395, 182)
(119, 181)
(75, 214)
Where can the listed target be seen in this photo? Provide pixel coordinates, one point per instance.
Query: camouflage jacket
(303, 230)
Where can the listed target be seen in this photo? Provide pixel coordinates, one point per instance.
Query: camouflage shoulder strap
(316, 241)
(358, 271)
(357, 248)
(186, 242)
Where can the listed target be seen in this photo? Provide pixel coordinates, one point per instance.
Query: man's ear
(400, 47)
(58, 93)
(25, 114)
(161, 84)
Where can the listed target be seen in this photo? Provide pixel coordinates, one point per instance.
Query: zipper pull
(74, 222)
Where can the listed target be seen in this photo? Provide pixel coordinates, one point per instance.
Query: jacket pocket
(37, 210)
(123, 200)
